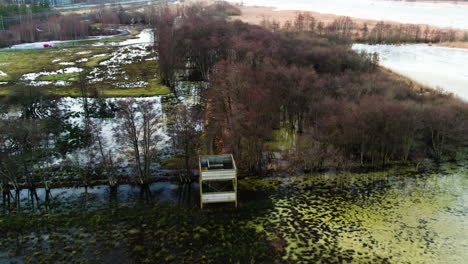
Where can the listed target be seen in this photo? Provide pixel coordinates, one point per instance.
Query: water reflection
(101, 196)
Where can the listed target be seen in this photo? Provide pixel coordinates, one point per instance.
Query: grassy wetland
(394, 216)
(339, 160)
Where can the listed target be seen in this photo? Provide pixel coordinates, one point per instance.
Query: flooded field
(395, 216)
(390, 217)
(438, 67)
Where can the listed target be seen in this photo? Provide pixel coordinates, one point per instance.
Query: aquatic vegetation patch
(148, 234)
(372, 218)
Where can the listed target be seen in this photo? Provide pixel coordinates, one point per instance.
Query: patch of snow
(2, 73)
(34, 75)
(62, 83)
(71, 70)
(3, 83)
(99, 55)
(82, 60)
(145, 36)
(40, 83)
(66, 63)
(43, 83)
(107, 127)
(83, 52)
(56, 60)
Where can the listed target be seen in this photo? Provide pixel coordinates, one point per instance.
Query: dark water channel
(101, 196)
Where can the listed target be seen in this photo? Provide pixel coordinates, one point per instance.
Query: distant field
(114, 71)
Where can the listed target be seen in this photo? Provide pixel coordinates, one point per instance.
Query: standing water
(438, 67)
(394, 216)
(436, 14)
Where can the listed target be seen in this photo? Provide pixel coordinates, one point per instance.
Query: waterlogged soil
(394, 216)
(385, 217)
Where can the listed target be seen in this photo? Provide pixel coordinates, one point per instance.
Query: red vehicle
(47, 46)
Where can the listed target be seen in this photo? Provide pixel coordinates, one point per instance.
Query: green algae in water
(395, 216)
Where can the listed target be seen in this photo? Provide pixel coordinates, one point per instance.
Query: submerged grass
(380, 217)
(149, 234)
(395, 216)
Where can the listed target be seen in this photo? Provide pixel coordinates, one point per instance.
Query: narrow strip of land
(258, 14)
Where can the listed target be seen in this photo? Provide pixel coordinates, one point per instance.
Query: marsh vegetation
(339, 160)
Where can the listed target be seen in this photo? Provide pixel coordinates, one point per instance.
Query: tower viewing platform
(218, 169)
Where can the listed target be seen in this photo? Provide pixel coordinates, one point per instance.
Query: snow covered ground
(127, 52)
(108, 127)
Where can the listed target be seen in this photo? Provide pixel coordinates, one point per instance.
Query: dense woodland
(36, 22)
(22, 24)
(347, 110)
(254, 81)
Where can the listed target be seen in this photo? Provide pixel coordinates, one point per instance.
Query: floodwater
(385, 217)
(396, 216)
(438, 67)
(437, 14)
(144, 37)
(101, 196)
(40, 44)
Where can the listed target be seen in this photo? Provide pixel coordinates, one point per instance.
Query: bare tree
(185, 130)
(139, 123)
(105, 154)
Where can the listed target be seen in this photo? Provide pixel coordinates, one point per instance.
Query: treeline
(347, 109)
(30, 26)
(55, 26)
(14, 9)
(345, 28)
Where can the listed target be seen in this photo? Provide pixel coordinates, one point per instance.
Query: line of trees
(345, 28)
(261, 79)
(14, 9)
(42, 143)
(49, 25)
(36, 22)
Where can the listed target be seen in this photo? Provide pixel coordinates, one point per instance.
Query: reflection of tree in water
(183, 193)
(145, 194)
(113, 196)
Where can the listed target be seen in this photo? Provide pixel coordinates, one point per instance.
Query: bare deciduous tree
(139, 124)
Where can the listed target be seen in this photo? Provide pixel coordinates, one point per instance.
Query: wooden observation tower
(218, 172)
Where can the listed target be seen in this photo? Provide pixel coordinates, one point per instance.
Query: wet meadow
(399, 215)
(393, 214)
